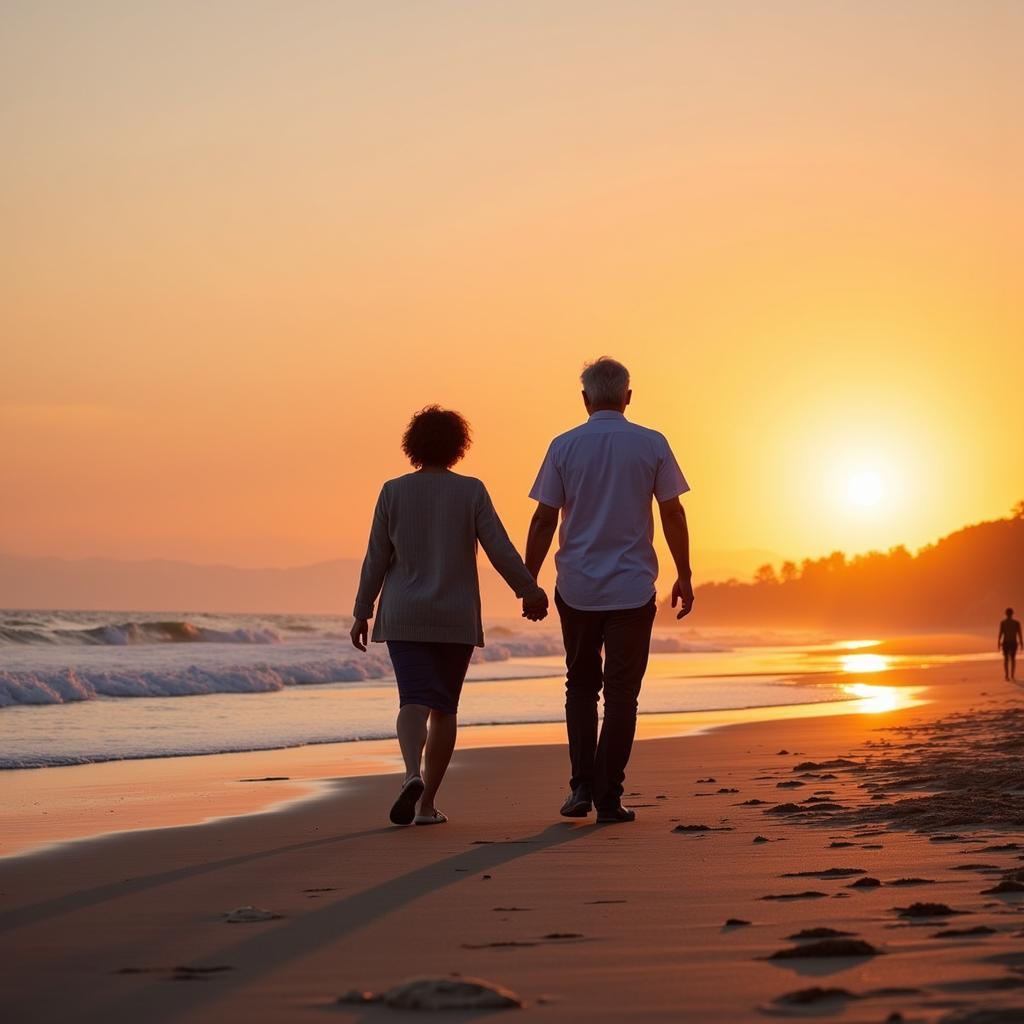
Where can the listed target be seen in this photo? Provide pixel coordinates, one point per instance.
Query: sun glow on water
(857, 663)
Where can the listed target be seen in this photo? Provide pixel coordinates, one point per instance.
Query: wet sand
(580, 922)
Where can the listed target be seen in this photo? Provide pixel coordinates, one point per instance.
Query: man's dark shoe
(577, 804)
(615, 815)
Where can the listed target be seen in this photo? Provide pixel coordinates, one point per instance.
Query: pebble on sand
(440, 994)
(249, 915)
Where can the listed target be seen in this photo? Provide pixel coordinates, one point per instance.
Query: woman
(422, 551)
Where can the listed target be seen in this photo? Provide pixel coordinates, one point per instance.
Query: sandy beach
(786, 825)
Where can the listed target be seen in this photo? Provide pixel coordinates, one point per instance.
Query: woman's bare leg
(440, 744)
(412, 735)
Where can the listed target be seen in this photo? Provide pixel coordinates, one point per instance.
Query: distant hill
(963, 580)
(107, 584)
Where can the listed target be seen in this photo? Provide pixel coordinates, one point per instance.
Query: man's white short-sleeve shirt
(604, 475)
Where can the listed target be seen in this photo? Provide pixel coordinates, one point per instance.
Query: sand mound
(440, 994)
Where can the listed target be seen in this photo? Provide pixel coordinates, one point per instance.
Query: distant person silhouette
(1009, 640)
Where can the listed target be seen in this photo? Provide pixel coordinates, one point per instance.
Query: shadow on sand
(290, 939)
(36, 912)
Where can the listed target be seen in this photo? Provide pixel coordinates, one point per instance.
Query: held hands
(535, 608)
(359, 631)
(682, 591)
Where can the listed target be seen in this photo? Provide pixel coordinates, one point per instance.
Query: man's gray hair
(605, 381)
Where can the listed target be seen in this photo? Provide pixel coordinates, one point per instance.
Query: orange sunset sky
(242, 242)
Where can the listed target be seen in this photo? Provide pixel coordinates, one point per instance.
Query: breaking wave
(66, 684)
(121, 634)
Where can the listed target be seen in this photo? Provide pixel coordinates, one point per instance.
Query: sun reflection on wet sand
(873, 700)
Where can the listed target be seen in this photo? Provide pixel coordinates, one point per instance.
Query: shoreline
(60, 804)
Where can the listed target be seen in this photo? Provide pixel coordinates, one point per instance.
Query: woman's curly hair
(436, 437)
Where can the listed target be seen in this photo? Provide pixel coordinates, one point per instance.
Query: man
(1009, 640)
(604, 475)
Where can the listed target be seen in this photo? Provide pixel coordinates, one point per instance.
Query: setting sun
(865, 488)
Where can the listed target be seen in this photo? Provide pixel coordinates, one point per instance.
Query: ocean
(80, 687)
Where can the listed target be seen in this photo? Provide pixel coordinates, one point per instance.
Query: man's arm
(673, 522)
(538, 539)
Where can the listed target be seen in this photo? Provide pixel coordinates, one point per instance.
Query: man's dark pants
(625, 635)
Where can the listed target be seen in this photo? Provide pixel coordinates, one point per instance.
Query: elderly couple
(422, 551)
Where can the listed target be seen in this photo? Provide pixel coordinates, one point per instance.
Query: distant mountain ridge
(965, 579)
(89, 584)
(105, 584)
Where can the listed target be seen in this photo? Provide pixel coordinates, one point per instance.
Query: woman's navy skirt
(430, 674)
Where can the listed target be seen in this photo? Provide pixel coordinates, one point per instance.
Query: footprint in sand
(701, 828)
(1006, 886)
(819, 933)
(808, 894)
(827, 948)
(926, 910)
(825, 873)
(814, 996)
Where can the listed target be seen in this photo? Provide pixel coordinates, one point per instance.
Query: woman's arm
(500, 550)
(379, 550)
